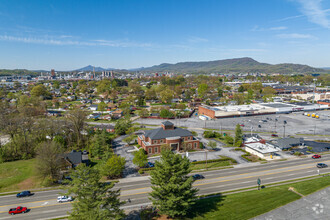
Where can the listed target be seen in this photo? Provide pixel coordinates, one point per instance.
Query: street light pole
(206, 159)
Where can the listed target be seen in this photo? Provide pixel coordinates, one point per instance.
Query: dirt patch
(27, 184)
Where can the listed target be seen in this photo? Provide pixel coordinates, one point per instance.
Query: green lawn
(246, 205)
(18, 175)
(211, 165)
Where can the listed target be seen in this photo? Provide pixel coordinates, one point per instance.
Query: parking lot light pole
(284, 123)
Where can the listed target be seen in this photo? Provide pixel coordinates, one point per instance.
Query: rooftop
(262, 148)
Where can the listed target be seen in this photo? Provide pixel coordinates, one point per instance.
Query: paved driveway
(121, 150)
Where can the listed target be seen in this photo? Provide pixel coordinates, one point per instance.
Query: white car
(64, 199)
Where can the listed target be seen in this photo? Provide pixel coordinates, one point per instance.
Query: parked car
(242, 125)
(274, 135)
(259, 126)
(292, 152)
(24, 194)
(198, 176)
(150, 164)
(17, 210)
(316, 156)
(327, 148)
(321, 165)
(61, 199)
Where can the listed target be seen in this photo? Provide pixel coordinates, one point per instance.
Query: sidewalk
(315, 206)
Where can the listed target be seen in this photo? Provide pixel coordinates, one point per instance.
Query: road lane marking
(41, 206)
(31, 202)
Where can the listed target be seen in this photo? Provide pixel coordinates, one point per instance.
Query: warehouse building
(257, 109)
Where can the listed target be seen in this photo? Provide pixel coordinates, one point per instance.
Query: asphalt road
(43, 205)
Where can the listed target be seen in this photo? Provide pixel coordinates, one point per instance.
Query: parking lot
(296, 123)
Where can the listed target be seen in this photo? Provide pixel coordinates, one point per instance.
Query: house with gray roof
(175, 137)
(287, 143)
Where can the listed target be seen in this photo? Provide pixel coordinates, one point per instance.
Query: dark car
(24, 194)
(17, 210)
(259, 126)
(198, 176)
(316, 156)
(149, 164)
(292, 152)
(327, 148)
(321, 165)
(274, 135)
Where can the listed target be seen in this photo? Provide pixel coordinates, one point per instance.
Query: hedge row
(215, 160)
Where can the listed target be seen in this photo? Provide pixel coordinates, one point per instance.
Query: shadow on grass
(203, 206)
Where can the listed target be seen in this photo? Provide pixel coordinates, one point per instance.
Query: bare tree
(77, 119)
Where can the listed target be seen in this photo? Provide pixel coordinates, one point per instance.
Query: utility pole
(284, 123)
(314, 90)
(206, 159)
(275, 124)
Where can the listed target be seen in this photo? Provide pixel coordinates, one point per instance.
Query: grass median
(246, 205)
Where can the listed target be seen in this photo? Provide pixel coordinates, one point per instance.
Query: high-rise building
(52, 72)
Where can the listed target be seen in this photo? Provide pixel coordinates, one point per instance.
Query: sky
(70, 34)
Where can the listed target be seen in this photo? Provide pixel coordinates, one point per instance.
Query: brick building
(175, 137)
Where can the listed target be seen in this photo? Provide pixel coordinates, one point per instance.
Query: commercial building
(176, 138)
(257, 109)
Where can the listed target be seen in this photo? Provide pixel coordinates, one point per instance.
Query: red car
(274, 135)
(242, 125)
(17, 210)
(316, 156)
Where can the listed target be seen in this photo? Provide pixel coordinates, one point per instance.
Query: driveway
(120, 149)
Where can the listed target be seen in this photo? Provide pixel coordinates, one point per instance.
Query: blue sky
(70, 34)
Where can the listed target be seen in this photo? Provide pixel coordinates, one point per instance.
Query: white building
(264, 151)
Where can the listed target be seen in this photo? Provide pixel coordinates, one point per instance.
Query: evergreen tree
(140, 158)
(94, 199)
(238, 136)
(172, 193)
(100, 144)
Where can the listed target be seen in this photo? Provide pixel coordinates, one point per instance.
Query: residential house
(107, 127)
(93, 107)
(74, 158)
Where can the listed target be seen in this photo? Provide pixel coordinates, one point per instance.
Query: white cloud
(278, 28)
(61, 42)
(296, 36)
(314, 12)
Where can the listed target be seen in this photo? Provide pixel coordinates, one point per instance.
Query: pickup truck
(17, 210)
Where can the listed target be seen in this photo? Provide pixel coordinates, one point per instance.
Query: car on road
(316, 156)
(61, 199)
(198, 176)
(321, 165)
(274, 135)
(17, 210)
(24, 194)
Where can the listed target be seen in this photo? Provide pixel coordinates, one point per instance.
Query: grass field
(211, 165)
(246, 205)
(18, 175)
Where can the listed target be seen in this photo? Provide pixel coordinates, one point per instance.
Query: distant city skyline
(67, 35)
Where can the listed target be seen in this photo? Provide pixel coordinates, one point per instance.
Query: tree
(172, 190)
(129, 139)
(238, 136)
(49, 159)
(39, 90)
(212, 144)
(77, 119)
(202, 90)
(140, 158)
(102, 106)
(165, 113)
(100, 144)
(143, 112)
(114, 166)
(122, 125)
(94, 199)
(167, 95)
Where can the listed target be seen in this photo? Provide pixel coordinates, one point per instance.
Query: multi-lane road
(43, 204)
